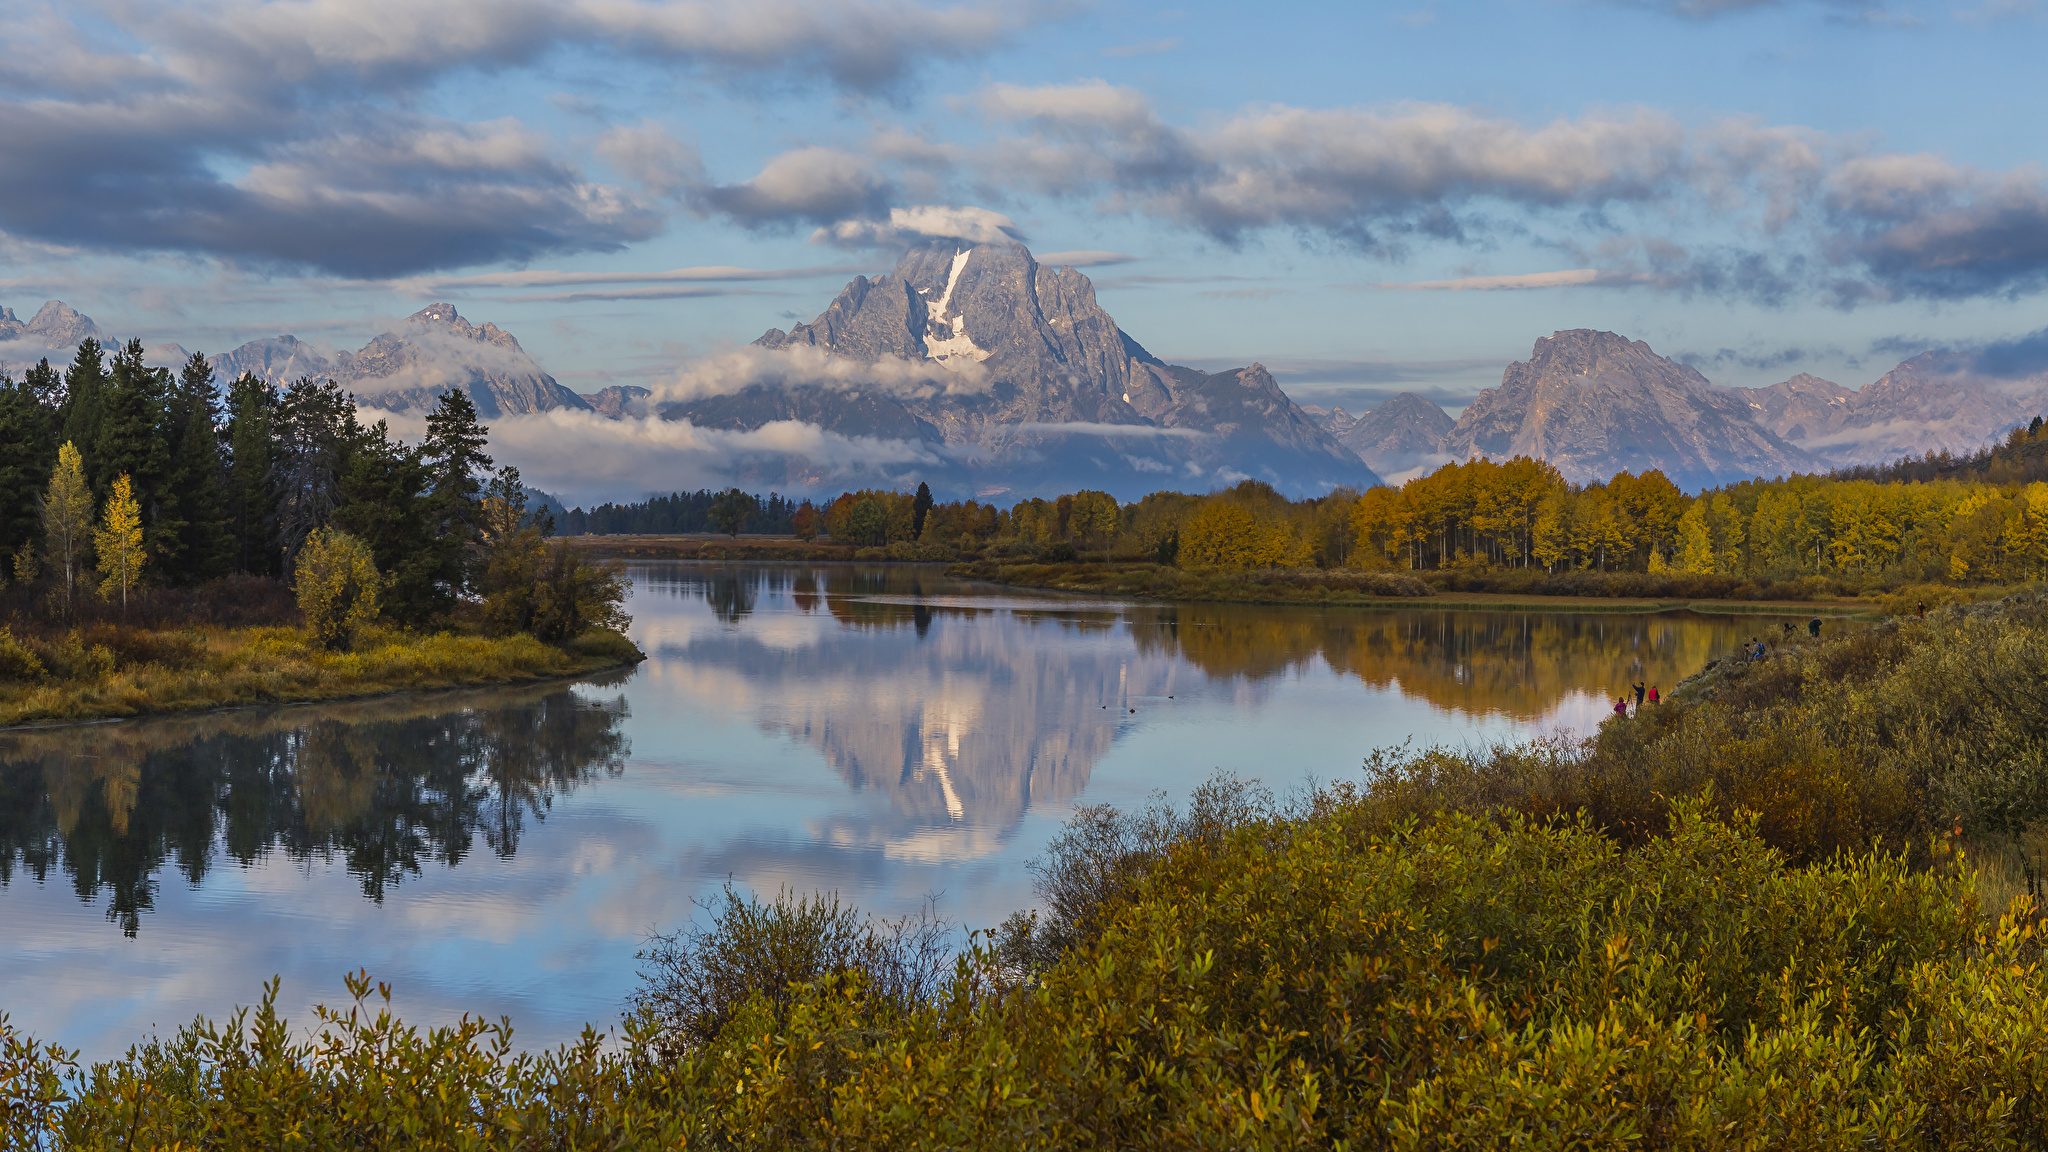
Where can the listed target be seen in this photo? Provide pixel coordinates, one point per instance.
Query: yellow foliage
(1223, 534)
(337, 585)
(119, 541)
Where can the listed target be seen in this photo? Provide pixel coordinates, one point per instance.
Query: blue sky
(1760, 188)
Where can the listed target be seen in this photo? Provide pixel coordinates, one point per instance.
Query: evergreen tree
(388, 504)
(454, 450)
(251, 497)
(920, 507)
(314, 431)
(204, 545)
(27, 453)
(132, 443)
(84, 381)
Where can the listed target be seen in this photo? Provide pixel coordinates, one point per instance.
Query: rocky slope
(1029, 386)
(434, 350)
(1594, 403)
(56, 327)
(1936, 401)
(1401, 435)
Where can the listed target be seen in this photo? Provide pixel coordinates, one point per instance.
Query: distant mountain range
(997, 375)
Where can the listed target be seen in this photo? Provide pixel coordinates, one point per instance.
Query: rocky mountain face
(618, 401)
(1936, 401)
(1594, 403)
(1403, 434)
(55, 326)
(409, 367)
(1032, 387)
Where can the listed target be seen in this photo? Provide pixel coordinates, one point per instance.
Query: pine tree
(67, 518)
(118, 540)
(454, 450)
(27, 453)
(920, 507)
(251, 498)
(203, 547)
(314, 431)
(84, 382)
(132, 442)
(386, 502)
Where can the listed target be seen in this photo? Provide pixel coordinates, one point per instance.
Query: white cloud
(802, 366)
(907, 226)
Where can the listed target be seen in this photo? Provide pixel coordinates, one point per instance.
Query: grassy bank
(1347, 586)
(109, 671)
(768, 549)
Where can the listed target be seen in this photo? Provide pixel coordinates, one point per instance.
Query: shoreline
(257, 671)
(320, 701)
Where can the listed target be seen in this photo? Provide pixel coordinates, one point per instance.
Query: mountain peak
(59, 323)
(1594, 402)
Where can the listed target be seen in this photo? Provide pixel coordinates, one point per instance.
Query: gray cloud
(1813, 213)
(282, 134)
(809, 186)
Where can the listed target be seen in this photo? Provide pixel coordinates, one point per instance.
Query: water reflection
(387, 787)
(972, 725)
(880, 731)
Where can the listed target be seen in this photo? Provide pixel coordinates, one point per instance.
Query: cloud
(2021, 356)
(286, 133)
(679, 292)
(1149, 49)
(1803, 211)
(432, 286)
(802, 366)
(808, 185)
(906, 226)
(1085, 258)
(584, 457)
(1570, 278)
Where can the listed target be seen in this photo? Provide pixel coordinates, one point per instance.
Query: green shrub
(17, 660)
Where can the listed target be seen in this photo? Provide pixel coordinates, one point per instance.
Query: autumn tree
(66, 509)
(118, 541)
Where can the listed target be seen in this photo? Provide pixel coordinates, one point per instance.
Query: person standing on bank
(1639, 695)
(1813, 627)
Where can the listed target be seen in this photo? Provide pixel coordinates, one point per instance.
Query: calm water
(884, 732)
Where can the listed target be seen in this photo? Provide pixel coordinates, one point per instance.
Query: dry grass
(1269, 586)
(159, 672)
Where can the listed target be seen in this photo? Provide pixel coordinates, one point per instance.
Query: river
(884, 732)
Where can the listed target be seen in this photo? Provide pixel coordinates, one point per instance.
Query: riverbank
(704, 546)
(1349, 587)
(136, 672)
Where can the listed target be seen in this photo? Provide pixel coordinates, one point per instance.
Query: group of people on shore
(1621, 705)
(1752, 651)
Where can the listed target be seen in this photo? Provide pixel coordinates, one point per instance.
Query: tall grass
(107, 671)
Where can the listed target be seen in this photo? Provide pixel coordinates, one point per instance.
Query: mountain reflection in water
(885, 732)
(385, 786)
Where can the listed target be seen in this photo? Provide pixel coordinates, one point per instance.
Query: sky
(1367, 198)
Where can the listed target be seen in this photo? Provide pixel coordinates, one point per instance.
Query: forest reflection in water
(385, 786)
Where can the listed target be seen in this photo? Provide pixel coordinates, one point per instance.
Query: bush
(337, 585)
(699, 978)
(1288, 982)
(17, 660)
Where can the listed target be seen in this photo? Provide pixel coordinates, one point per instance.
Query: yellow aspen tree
(118, 541)
(67, 517)
(338, 584)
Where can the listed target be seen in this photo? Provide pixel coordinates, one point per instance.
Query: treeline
(678, 513)
(117, 475)
(1518, 515)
